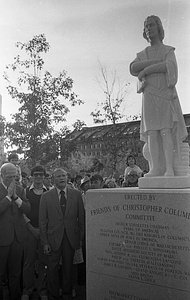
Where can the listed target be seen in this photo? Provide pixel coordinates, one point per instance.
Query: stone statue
(162, 126)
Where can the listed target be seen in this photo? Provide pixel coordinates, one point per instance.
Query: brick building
(111, 143)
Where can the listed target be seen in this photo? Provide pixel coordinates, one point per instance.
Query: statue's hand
(141, 75)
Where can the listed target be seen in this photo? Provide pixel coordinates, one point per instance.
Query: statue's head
(159, 25)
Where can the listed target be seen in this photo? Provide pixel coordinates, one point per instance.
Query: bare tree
(111, 109)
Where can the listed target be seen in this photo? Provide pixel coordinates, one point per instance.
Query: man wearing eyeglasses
(13, 204)
(33, 246)
(131, 179)
(61, 220)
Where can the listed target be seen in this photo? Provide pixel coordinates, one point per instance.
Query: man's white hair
(6, 166)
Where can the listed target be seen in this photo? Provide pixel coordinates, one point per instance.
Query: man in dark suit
(13, 204)
(61, 221)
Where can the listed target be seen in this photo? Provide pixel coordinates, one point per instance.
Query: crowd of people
(42, 227)
(82, 181)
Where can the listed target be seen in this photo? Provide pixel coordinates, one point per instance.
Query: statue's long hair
(159, 25)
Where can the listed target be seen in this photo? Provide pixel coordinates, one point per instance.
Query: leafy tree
(77, 161)
(2, 127)
(114, 148)
(53, 164)
(67, 146)
(44, 99)
(135, 117)
(97, 166)
(78, 125)
(2, 138)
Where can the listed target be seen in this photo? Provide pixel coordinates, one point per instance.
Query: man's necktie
(63, 202)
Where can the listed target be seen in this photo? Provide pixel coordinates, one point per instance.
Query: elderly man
(61, 221)
(13, 204)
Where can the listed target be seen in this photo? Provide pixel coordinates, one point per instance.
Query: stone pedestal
(161, 182)
(138, 244)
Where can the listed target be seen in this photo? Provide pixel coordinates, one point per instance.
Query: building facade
(110, 144)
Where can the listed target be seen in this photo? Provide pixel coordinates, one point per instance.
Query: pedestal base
(176, 182)
(138, 244)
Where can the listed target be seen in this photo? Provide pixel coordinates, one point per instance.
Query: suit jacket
(11, 217)
(52, 223)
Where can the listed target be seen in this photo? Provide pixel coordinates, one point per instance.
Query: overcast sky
(83, 32)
